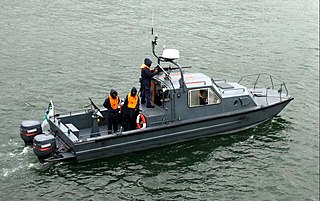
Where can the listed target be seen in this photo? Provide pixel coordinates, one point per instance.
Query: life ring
(141, 120)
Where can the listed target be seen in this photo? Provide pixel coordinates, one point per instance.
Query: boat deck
(154, 115)
(150, 113)
(265, 97)
(86, 132)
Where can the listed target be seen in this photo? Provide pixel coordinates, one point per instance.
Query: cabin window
(200, 97)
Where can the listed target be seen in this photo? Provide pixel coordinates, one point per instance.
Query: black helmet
(133, 91)
(113, 93)
(147, 62)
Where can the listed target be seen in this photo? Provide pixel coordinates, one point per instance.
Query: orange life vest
(114, 102)
(144, 66)
(132, 101)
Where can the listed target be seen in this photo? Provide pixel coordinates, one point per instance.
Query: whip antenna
(152, 22)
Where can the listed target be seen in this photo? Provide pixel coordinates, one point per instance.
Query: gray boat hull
(176, 132)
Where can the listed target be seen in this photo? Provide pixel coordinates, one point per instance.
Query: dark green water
(70, 50)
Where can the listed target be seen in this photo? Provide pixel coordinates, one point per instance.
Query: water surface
(70, 50)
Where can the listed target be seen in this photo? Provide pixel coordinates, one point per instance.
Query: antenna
(152, 22)
(154, 39)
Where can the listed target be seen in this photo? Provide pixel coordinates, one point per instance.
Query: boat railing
(267, 82)
(232, 90)
(74, 112)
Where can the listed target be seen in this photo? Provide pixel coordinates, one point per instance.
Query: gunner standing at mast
(146, 75)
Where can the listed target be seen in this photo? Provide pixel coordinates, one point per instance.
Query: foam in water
(25, 150)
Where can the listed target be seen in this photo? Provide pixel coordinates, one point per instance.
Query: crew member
(131, 109)
(146, 75)
(203, 99)
(112, 102)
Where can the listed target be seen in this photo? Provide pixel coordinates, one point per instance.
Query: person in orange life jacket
(146, 75)
(112, 102)
(131, 108)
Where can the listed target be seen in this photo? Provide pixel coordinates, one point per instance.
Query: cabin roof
(198, 80)
(192, 80)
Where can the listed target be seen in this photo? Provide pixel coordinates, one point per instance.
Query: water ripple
(67, 50)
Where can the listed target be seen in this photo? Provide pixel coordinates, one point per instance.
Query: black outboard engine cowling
(29, 129)
(44, 145)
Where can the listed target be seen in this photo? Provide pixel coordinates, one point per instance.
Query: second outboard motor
(44, 145)
(29, 129)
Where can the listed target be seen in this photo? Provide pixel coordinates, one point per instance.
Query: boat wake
(21, 163)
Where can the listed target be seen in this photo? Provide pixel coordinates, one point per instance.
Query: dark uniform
(131, 109)
(112, 102)
(146, 75)
(203, 97)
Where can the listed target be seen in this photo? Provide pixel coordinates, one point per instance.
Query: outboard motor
(44, 145)
(29, 129)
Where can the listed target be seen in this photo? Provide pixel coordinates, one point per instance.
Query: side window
(205, 96)
(213, 98)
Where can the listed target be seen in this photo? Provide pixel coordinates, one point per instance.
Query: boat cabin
(179, 96)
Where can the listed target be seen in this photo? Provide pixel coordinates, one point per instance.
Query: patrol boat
(187, 106)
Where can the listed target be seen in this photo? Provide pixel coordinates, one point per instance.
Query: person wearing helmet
(145, 80)
(131, 108)
(112, 103)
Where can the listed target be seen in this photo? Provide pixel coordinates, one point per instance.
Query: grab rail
(283, 90)
(236, 89)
